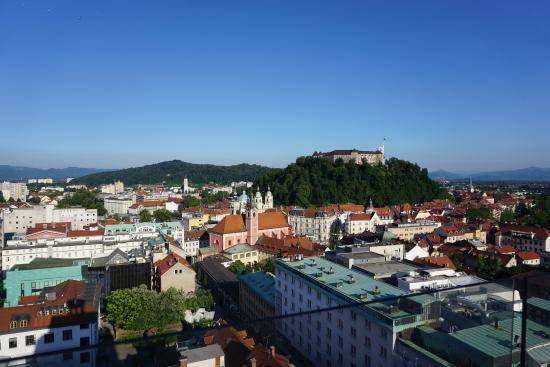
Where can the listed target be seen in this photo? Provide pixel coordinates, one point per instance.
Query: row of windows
(48, 339)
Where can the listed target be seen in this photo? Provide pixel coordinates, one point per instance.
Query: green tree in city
(162, 215)
(84, 198)
(145, 216)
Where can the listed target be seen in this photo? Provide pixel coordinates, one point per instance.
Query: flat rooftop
(46, 263)
(337, 278)
(262, 283)
(386, 269)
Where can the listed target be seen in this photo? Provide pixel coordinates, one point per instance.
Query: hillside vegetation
(317, 181)
(173, 172)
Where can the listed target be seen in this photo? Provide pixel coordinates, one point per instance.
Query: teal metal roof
(541, 303)
(496, 341)
(340, 279)
(239, 248)
(426, 353)
(262, 283)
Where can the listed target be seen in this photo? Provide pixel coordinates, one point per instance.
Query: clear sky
(460, 85)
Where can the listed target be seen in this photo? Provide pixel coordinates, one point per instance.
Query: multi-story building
(354, 155)
(315, 224)
(363, 335)
(361, 222)
(62, 317)
(257, 299)
(243, 252)
(18, 220)
(14, 190)
(524, 238)
(130, 238)
(117, 205)
(115, 188)
(173, 271)
(408, 231)
(30, 279)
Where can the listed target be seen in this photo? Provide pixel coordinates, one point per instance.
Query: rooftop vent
(364, 296)
(330, 270)
(339, 284)
(318, 275)
(351, 279)
(376, 290)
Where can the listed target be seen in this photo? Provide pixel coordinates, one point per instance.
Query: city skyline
(97, 83)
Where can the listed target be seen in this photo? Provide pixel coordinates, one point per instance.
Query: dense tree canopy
(142, 309)
(317, 181)
(173, 172)
(85, 199)
(539, 214)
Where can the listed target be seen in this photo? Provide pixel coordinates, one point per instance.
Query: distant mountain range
(16, 173)
(173, 172)
(524, 174)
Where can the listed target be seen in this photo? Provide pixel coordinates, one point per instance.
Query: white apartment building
(314, 224)
(115, 188)
(18, 220)
(361, 222)
(353, 336)
(407, 231)
(119, 206)
(49, 324)
(14, 190)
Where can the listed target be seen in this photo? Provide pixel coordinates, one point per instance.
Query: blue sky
(461, 85)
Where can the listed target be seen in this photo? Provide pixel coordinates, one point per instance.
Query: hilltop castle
(354, 155)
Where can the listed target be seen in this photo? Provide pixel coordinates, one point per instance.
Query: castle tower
(268, 204)
(252, 225)
(472, 190)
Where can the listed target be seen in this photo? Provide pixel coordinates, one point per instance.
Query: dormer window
(23, 323)
(13, 324)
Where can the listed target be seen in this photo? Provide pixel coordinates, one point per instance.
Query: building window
(84, 326)
(13, 324)
(353, 332)
(85, 357)
(67, 356)
(49, 338)
(29, 340)
(353, 350)
(67, 334)
(13, 343)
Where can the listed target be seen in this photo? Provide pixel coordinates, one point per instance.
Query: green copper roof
(262, 283)
(350, 283)
(496, 341)
(541, 303)
(239, 248)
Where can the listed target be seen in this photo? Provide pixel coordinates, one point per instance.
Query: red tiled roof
(540, 234)
(528, 255)
(360, 216)
(230, 224)
(439, 261)
(163, 265)
(98, 232)
(65, 293)
(506, 249)
(269, 220)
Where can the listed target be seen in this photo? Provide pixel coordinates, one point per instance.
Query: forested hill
(173, 172)
(317, 181)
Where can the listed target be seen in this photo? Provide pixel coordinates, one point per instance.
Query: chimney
(252, 362)
(272, 351)
(183, 361)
